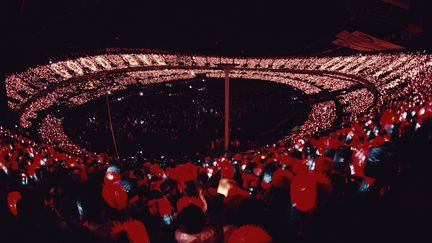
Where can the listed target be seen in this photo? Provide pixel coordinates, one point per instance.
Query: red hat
(31, 170)
(282, 179)
(115, 195)
(12, 199)
(323, 165)
(237, 157)
(304, 193)
(181, 173)
(191, 167)
(227, 169)
(265, 184)
(388, 118)
(300, 166)
(186, 201)
(286, 159)
(357, 126)
(156, 170)
(135, 230)
(330, 142)
(249, 234)
(165, 207)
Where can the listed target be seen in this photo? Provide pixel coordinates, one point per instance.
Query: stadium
(139, 139)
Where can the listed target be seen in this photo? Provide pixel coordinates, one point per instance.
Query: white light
(5, 169)
(210, 173)
(422, 111)
(141, 93)
(352, 169)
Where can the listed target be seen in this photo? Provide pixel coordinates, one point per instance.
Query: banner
(356, 41)
(363, 42)
(377, 42)
(347, 44)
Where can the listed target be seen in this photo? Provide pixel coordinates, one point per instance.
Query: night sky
(35, 29)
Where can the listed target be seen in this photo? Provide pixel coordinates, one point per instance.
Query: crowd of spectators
(281, 193)
(316, 74)
(182, 117)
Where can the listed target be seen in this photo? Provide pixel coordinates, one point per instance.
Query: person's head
(191, 219)
(30, 207)
(251, 211)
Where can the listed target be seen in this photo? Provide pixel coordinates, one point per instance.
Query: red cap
(286, 159)
(156, 170)
(304, 193)
(181, 173)
(115, 195)
(387, 119)
(282, 179)
(249, 234)
(300, 166)
(136, 231)
(186, 201)
(165, 207)
(227, 170)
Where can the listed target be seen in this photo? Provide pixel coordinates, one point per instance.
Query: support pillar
(227, 94)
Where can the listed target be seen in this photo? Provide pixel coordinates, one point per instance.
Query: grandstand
(324, 142)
